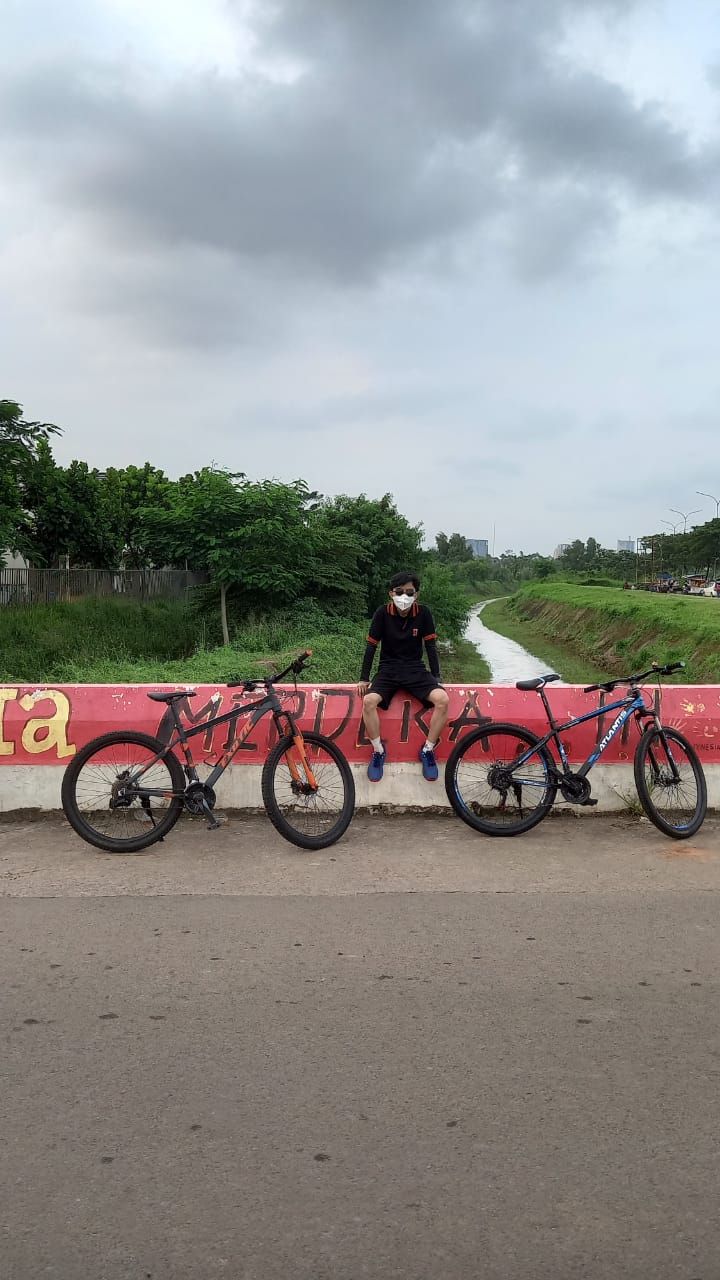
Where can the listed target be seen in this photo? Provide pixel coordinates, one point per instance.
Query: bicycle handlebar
(296, 666)
(655, 670)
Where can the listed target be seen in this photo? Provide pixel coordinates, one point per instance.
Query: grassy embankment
(588, 633)
(105, 642)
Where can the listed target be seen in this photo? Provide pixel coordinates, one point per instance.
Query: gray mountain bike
(125, 791)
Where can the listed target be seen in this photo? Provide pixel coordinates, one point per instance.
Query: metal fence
(50, 586)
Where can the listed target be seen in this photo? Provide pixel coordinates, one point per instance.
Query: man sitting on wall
(400, 629)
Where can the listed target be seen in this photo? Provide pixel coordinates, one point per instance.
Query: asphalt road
(420, 1055)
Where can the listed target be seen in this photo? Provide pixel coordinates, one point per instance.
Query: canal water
(508, 661)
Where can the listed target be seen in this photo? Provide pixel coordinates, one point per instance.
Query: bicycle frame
(270, 702)
(632, 705)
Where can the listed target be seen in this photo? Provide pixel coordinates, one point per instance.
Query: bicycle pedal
(213, 823)
(587, 804)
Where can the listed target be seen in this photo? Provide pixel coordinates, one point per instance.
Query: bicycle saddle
(537, 683)
(172, 697)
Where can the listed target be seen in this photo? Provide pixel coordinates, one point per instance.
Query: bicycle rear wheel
(670, 782)
(101, 792)
(489, 791)
(310, 818)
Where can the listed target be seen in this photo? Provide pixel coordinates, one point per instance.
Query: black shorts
(416, 680)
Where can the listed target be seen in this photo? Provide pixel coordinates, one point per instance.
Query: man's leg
(371, 702)
(438, 720)
(441, 711)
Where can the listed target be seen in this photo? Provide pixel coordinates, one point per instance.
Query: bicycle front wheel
(310, 816)
(119, 796)
(670, 782)
(487, 787)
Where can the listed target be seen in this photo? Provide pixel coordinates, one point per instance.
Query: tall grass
(49, 642)
(108, 641)
(620, 631)
(97, 641)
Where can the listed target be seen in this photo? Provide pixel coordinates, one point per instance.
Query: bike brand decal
(611, 731)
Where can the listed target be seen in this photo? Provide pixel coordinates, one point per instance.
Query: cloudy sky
(467, 251)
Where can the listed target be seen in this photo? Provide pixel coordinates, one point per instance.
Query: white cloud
(463, 252)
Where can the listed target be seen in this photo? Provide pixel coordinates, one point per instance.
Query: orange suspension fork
(300, 748)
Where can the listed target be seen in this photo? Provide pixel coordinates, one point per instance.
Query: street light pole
(685, 515)
(712, 498)
(674, 527)
(717, 511)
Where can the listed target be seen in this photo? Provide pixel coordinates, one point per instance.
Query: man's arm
(430, 638)
(373, 640)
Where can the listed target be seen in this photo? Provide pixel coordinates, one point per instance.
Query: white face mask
(403, 601)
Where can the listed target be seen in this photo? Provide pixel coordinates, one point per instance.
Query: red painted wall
(48, 724)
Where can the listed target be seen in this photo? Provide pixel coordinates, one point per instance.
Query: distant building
(478, 546)
(560, 550)
(626, 544)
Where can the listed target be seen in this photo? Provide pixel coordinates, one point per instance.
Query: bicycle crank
(576, 790)
(200, 800)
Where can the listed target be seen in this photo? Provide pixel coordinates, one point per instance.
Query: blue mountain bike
(502, 779)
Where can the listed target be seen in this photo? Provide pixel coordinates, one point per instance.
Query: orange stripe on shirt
(372, 641)
(432, 637)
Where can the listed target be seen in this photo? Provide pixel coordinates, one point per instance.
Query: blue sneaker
(429, 765)
(377, 764)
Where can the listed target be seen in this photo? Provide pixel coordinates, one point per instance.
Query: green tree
(19, 444)
(262, 539)
(385, 541)
(458, 550)
(453, 550)
(704, 545)
(68, 513)
(574, 556)
(447, 600)
(593, 552)
(130, 491)
(543, 567)
(474, 572)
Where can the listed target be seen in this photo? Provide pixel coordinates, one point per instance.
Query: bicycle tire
(304, 839)
(74, 814)
(463, 807)
(651, 738)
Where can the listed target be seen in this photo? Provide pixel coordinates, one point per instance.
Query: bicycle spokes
(494, 786)
(308, 790)
(670, 782)
(120, 789)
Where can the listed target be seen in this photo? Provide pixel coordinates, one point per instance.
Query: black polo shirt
(401, 639)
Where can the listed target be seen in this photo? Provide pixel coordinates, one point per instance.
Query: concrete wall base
(37, 787)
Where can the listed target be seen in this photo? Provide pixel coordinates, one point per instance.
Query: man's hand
(363, 686)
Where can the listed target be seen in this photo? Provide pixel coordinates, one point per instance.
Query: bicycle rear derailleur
(575, 789)
(200, 799)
